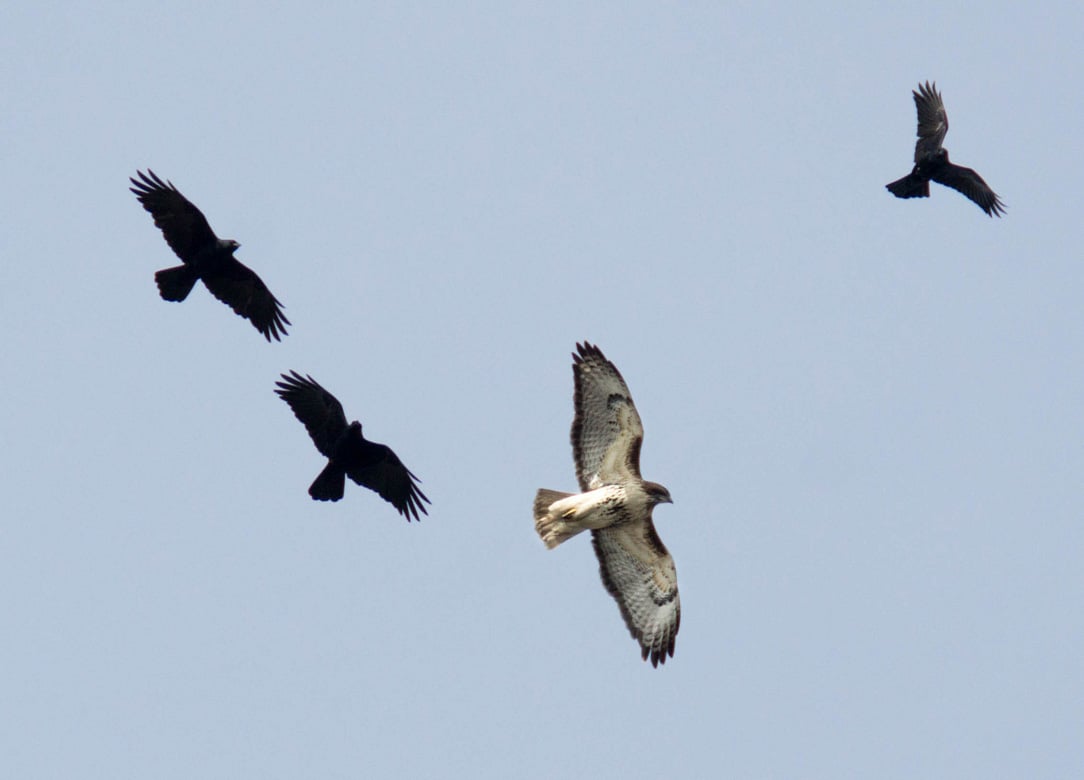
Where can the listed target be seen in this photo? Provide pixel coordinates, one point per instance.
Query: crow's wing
(182, 224)
(380, 470)
(317, 409)
(238, 286)
(966, 181)
(932, 120)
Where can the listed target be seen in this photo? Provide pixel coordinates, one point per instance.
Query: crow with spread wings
(932, 160)
(349, 453)
(207, 257)
(616, 505)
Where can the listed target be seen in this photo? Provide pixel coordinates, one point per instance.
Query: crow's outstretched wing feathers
(182, 224)
(380, 470)
(932, 120)
(238, 286)
(966, 181)
(317, 409)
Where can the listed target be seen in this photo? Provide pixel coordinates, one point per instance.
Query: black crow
(206, 257)
(369, 464)
(932, 160)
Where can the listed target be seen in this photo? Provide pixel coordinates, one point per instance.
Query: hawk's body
(616, 506)
(932, 160)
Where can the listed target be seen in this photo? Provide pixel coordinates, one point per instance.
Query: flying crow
(369, 464)
(206, 257)
(932, 160)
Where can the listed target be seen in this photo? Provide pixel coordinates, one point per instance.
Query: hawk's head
(657, 494)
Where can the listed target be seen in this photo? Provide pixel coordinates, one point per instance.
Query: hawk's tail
(551, 525)
(174, 284)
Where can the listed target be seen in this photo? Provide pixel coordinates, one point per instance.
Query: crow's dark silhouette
(349, 454)
(932, 160)
(206, 257)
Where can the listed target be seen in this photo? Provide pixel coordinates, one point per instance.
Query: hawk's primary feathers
(616, 505)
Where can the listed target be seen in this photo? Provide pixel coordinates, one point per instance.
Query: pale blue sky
(870, 412)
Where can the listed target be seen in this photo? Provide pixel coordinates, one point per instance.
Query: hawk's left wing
(639, 573)
(606, 431)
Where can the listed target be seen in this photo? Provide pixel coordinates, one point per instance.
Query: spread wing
(379, 469)
(966, 181)
(606, 430)
(238, 286)
(639, 573)
(317, 409)
(182, 224)
(932, 120)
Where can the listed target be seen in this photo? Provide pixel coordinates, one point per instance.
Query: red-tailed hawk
(932, 160)
(616, 504)
(206, 257)
(349, 453)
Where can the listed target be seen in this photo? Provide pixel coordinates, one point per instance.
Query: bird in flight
(932, 159)
(616, 505)
(205, 256)
(349, 453)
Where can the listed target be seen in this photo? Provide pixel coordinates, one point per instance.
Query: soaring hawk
(616, 504)
(932, 160)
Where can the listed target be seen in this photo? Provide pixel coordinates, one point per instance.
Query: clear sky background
(869, 411)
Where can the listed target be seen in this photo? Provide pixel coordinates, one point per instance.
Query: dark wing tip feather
(276, 324)
(412, 503)
(148, 182)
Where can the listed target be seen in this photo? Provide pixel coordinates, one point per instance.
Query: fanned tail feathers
(174, 284)
(329, 484)
(551, 527)
(910, 186)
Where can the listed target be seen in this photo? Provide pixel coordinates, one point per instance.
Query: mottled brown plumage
(616, 504)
